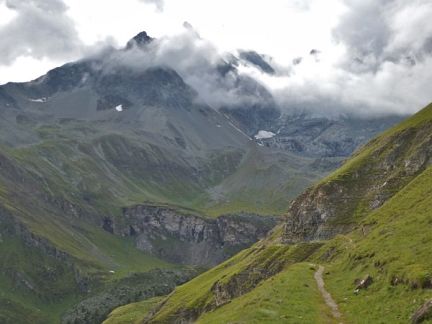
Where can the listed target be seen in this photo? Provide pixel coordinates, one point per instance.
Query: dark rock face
(139, 40)
(423, 313)
(108, 225)
(155, 86)
(190, 239)
(257, 60)
(64, 78)
(364, 283)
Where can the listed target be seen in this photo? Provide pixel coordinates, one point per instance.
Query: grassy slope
(391, 243)
(121, 169)
(236, 276)
(31, 179)
(32, 285)
(132, 313)
(47, 286)
(264, 183)
(289, 297)
(368, 153)
(397, 244)
(13, 313)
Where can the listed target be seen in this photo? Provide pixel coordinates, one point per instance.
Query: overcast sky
(372, 55)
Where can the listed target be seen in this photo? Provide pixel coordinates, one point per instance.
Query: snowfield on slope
(263, 134)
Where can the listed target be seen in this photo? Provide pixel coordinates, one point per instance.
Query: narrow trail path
(326, 295)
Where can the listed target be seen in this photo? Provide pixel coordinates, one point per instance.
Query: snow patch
(39, 100)
(119, 108)
(262, 134)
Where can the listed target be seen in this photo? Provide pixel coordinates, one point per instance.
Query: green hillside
(132, 313)
(390, 242)
(290, 296)
(393, 245)
(53, 250)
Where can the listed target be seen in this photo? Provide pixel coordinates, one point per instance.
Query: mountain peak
(141, 39)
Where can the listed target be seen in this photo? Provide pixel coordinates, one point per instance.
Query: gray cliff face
(314, 214)
(190, 239)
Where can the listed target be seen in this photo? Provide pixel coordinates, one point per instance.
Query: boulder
(423, 313)
(363, 283)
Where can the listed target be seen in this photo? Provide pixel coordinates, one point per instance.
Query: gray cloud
(376, 32)
(386, 67)
(389, 49)
(390, 77)
(40, 29)
(364, 31)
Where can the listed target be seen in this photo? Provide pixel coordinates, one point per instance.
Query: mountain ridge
(92, 138)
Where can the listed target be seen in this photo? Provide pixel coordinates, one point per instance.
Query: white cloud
(39, 29)
(158, 3)
(284, 29)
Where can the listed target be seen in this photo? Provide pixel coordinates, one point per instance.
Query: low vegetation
(289, 297)
(132, 313)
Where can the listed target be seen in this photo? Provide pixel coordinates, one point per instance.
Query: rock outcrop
(190, 239)
(363, 283)
(423, 313)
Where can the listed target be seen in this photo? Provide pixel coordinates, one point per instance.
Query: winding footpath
(326, 295)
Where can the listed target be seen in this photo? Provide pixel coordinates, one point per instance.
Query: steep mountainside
(368, 224)
(86, 152)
